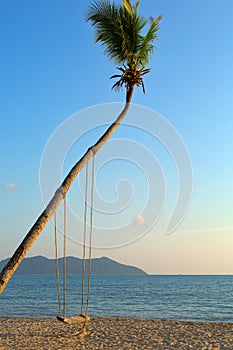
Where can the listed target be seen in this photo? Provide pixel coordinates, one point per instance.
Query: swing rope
(64, 259)
(64, 264)
(91, 234)
(57, 266)
(84, 240)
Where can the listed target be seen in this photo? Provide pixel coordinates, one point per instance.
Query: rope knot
(92, 150)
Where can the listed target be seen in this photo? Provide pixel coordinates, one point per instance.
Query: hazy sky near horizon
(51, 69)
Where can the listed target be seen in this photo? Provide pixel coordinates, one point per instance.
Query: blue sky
(51, 69)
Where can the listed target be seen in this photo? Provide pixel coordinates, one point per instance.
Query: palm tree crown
(119, 30)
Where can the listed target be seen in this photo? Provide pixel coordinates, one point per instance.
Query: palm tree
(119, 30)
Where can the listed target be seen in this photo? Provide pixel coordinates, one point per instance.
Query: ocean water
(187, 298)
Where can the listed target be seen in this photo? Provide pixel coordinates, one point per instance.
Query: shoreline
(114, 333)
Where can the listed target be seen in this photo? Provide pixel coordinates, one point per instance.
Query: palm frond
(143, 87)
(115, 76)
(104, 16)
(147, 46)
(127, 6)
(118, 85)
(117, 30)
(136, 5)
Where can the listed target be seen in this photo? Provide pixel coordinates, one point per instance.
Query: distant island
(42, 265)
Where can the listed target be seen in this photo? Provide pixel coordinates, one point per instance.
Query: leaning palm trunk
(43, 219)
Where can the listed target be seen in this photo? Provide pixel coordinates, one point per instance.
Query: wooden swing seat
(74, 319)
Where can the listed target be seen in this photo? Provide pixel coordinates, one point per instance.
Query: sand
(113, 333)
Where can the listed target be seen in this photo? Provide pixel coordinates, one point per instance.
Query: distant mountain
(42, 265)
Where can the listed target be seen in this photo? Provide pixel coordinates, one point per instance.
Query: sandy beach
(114, 333)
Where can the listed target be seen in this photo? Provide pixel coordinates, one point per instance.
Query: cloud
(140, 220)
(10, 186)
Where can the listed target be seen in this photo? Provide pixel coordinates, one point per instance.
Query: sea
(159, 297)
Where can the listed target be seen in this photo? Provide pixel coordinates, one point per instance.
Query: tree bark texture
(59, 195)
